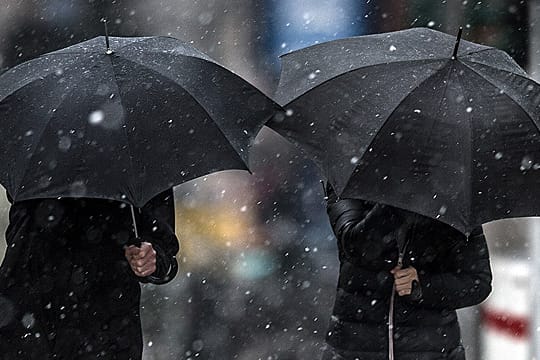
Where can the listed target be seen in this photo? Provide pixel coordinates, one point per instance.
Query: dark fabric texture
(66, 290)
(454, 272)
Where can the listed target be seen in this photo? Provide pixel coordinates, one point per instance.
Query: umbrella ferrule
(324, 190)
(107, 43)
(456, 47)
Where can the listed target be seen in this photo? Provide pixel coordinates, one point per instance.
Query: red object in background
(513, 325)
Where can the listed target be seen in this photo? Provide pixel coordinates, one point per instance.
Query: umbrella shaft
(134, 218)
(391, 325)
(458, 39)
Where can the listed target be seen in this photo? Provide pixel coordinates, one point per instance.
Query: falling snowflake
(442, 210)
(96, 117)
(526, 163)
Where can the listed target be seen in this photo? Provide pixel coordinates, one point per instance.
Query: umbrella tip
(108, 51)
(325, 193)
(456, 47)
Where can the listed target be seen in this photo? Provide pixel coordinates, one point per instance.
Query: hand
(141, 259)
(403, 279)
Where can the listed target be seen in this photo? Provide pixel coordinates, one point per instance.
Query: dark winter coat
(66, 289)
(454, 272)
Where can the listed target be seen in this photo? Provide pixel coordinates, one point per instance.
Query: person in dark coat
(69, 282)
(441, 270)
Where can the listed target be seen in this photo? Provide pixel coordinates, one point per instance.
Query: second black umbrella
(414, 120)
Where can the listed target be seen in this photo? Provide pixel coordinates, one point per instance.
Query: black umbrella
(124, 122)
(416, 120)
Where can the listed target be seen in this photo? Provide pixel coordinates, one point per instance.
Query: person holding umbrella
(402, 276)
(94, 136)
(424, 138)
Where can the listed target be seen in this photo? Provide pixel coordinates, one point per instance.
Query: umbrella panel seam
(131, 157)
(357, 69)
(197, 102)
(391, 114)
(505, 93)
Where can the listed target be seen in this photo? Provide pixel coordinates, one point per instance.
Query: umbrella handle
(173, 269)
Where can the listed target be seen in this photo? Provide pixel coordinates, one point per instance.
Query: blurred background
(258, 258)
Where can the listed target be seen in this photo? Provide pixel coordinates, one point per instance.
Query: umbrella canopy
(401, 119)
(123, 123)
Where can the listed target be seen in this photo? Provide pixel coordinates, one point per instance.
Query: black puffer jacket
(454, 272)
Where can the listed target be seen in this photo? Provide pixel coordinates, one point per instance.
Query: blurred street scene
(258, 260)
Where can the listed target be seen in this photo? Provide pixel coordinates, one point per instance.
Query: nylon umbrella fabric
(395, 118)
(124, 124)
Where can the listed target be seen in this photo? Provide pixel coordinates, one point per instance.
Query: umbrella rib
(470, 160)
(202, 56)
(194, 99)
(464, 62)
(131, 157)
(470, 132)
(442, 98)
(358, 69)
(478, 51)
(522, 73)
(505, 93)
(391, 114)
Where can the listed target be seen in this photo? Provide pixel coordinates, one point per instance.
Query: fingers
(404, 288)
(142, 260)
(403, 280)
(145, 270)
(402, 291)
(146, 249)
(403, 273)
(131, 250)
(141, 252)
